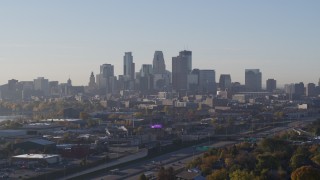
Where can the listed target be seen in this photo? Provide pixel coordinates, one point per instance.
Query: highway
(133, 171)
(178, 158)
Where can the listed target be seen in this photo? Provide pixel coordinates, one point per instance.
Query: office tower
(41, 84)
(207, 81)
(159, 66)
(181, 67)
(253, 80)
(161, 77)
(225, 82)
(299, 89)
(311, 90)
(128, 66)
(271, 85)
(187, 55)
(107, 70)
(146, 69)
(105, 80)
(145, 78)
(54, 88)
(289, 89)
(193, 81)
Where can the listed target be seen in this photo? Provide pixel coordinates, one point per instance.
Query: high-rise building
(159, 66)
(193, 81)
(207, 81)
(12, 84)
(299, 89)
(161, 77)
(107, 70)
(41, 84)
(92, 81)
(253, 80)
(181, 67)
(146, 69)
(187, 55)
(225, 82)
(311, 90)
(145, 78)
(105, 80)
(271, 85)
(128, 66)
(289, 89)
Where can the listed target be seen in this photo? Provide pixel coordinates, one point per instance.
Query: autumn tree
(220, 174)
(241, 175)
(142, 177)
(305, 173)
(298, 160)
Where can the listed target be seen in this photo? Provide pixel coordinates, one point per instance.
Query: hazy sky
(57, 38)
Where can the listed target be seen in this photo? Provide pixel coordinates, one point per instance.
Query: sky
(61, 39)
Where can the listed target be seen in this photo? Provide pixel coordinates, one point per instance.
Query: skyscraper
(146, 70)
(207, 81)
(159, 66)
(106, 79)
(253, 80)
(107, 70)
(92, 81)
(225, 82)
(145, 78)
(311, 90)
(187, 55)
(128, 66)
(271, 85)
(181, 67)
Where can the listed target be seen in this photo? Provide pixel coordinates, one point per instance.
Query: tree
(161, 173)
(241, 175)
(142, 177)
(267, 161)
(220, 174)
(298, 160)
(316, 159)
(305, 173)
(83, 115)
(167, 174)
(170, 173)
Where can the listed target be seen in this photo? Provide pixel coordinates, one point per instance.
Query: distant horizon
(62, 39)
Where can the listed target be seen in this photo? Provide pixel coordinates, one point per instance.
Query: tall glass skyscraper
(128, 66)
(225, 82)
(159, 66)
(181, 67)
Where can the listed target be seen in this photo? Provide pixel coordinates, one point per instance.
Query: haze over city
(62, 39)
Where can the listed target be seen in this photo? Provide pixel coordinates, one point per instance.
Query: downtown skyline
(279, 38)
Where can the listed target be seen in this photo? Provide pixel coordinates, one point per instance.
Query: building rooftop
(36, 156)
(41, 141)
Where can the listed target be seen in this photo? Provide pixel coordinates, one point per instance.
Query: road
(133, 171)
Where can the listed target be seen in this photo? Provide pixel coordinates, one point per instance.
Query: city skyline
(279, 38)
